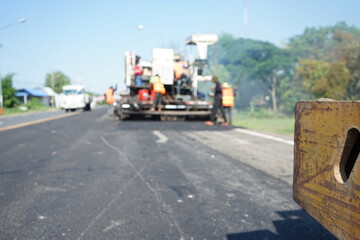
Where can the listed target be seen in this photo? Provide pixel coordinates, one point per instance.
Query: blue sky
(86, 39)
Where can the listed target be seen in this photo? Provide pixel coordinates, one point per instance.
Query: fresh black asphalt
(91, 176)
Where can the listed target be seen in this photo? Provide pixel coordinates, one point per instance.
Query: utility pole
(52, 100)
(245, 19)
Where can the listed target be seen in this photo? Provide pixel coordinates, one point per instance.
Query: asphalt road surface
(16, 120)
(91, 176)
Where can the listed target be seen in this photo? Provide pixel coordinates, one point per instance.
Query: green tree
(229, 53)
(259, 63)
(8, 91)
(347, 51)
(353, 89)
(321, 62)
(317, 43)
(56, 81)
(329, 61)
(222, 73)
(272, 67)
(324, 79)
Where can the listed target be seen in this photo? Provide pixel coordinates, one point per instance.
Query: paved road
(19, 119)
(90, 176)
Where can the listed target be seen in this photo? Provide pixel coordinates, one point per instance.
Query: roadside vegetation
(12, 105)
(31, 107)
(321, 62)
(265, 122)
(15, 111)
(56, 80)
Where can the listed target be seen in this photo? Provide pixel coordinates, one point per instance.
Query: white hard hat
(226, 85)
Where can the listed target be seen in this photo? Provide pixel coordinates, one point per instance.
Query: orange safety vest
(178, 69)
(228, 97)
(158, 86)
(109, 95)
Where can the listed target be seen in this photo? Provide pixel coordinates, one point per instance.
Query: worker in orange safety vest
(159, 89)
(110, 99)
(228, 100)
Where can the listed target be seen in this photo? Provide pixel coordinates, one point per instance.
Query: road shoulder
(265, 154)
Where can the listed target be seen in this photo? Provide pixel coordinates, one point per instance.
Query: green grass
(278, 124)
(16, 111)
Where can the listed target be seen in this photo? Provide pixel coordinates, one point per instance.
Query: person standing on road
(228, 100)
(159, 89)
(217, 105)
(110, 99)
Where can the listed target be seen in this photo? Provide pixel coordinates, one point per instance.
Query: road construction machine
(182, 99)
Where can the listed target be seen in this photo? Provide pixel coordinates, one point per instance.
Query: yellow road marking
(37, 121)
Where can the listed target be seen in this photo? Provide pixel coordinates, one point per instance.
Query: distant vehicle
(177, 104)
(75, 97)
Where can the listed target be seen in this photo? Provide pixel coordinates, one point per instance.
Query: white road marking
(162, 137)
(265, 136)
(53, 189)
(113, 224)
(239, 141)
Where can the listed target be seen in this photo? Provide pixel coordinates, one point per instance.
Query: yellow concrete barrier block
(327, 164)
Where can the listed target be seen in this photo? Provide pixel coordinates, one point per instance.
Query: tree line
(55, 80)
(321, 62)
